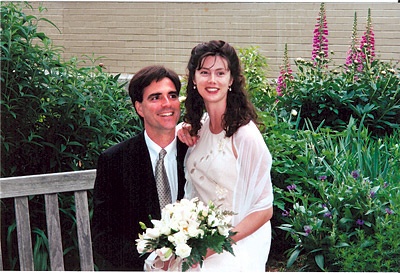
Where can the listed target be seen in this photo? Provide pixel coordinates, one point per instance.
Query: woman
(229, 163)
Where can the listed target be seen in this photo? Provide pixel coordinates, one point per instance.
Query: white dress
(241, 184)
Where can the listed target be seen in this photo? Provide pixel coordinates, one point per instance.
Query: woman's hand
(185, 137)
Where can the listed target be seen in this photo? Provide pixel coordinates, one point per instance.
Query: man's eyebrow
(154, 95)
(160, 93)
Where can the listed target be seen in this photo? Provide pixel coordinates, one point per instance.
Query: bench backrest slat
(24, 233)
(54, 232)
(83, 229)
(20, 188)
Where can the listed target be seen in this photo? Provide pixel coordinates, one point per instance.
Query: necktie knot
(162, 154)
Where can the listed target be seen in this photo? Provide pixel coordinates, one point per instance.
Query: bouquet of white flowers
(186, 230)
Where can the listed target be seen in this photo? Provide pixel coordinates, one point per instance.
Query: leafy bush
(332, 97)
(55, 115)
(255, 67)
(334, 185)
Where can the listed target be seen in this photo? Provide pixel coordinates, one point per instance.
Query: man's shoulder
(130, 144)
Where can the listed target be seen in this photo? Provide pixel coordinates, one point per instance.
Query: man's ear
(138, 107)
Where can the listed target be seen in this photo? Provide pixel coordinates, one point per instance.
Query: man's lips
(166, 114)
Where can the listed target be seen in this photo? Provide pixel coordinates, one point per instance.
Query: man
(125, 190)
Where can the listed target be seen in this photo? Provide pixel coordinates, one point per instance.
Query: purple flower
(324, 205)
(307, 229)
(372, 194)
(328, 215)
(385, 185)
(285, 213)
(360, 222)
(389, 211)
(322, 177)
(291, 187)
(355, 174)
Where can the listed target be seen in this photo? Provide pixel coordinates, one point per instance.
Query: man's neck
(162, 139)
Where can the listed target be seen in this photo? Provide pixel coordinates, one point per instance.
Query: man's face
(160, 107)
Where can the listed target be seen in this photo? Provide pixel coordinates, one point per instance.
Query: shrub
(255, 67)
(336, 184)
(55, 115)
(365, 88)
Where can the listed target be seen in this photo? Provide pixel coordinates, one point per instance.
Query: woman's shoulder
(250, 129)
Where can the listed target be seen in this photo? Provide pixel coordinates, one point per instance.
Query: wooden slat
(46, 183)
(1, 258)
(83, 229)
(54, 232)
(24, 233)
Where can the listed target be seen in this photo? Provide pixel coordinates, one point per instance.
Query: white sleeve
(253, 191)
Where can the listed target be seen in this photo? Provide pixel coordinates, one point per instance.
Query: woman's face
(213, 80)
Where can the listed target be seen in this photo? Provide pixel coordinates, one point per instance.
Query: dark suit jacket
(125, 193)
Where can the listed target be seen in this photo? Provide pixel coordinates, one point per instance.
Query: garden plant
(333, 133)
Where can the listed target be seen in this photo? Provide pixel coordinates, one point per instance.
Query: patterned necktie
(164, 192)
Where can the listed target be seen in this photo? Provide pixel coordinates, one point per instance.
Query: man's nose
(166, 101)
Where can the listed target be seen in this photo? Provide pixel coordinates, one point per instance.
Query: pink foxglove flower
(284, 75)
(367, 45)
(352, 53)
(320, 40)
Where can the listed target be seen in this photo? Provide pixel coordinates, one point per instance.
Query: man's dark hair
(145, 76)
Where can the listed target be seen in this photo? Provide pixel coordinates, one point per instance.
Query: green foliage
(328, 186)
(255, 69)
(56, 116)
(332, 97)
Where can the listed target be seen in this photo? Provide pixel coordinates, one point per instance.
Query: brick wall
(131, 35)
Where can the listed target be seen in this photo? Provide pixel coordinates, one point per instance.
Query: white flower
(152, 233)
(294, 112)
(165, 253)
(183, 250)
(178, 238)
(183, 225)
(141, 246)
(163, 226)
(224, 230)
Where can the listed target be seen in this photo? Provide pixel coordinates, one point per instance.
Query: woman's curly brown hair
(239, 110)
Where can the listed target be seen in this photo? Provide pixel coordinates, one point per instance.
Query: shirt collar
(154, 148)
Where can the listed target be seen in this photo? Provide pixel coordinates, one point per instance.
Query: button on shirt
(169, 162)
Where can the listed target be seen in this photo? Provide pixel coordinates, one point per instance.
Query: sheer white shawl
(253, 191)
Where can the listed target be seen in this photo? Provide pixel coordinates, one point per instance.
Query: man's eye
(174, 96)
(155, 98)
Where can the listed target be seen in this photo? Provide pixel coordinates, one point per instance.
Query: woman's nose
(211, 78)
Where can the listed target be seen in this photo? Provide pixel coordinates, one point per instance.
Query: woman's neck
(216, 121)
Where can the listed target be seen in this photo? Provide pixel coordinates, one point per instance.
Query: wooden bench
(20, 188)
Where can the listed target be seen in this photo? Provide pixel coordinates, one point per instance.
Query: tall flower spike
(320, 40)
(352, 53)
(367, 45)
(284, 75)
